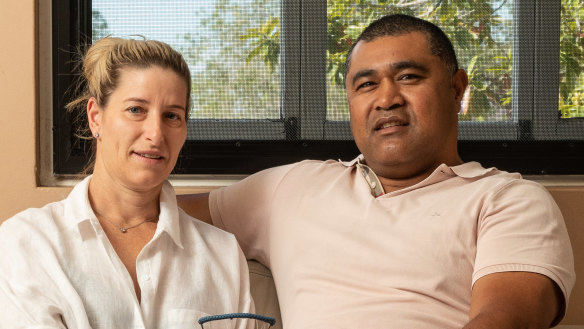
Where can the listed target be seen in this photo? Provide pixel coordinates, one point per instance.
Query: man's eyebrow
(397, 66)
(363, 73)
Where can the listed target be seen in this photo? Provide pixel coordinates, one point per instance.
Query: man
(406, 235)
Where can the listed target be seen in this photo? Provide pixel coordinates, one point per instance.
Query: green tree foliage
(481, 33)
(232, 77)
(229, 81)
(236, 69)
(479, 29)
(571, 56)
(99, 28)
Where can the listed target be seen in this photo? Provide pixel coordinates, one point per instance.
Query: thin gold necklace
(125, 229)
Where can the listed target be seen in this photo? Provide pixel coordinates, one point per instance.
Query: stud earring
(96, 135)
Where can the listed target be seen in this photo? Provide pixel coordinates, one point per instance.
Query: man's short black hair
(399, 24)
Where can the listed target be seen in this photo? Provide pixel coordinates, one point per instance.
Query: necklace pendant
(123, 229)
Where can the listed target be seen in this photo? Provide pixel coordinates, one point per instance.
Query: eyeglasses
(250, 320)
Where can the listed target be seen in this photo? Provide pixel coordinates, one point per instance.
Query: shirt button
(146, 278)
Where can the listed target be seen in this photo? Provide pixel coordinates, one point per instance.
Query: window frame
(303, 66)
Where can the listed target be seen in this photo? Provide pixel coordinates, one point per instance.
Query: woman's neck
(111, 199)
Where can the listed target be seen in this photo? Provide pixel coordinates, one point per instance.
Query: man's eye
(409, 77)
(365, 85)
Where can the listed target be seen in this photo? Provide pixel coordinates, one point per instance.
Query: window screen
(268, 83)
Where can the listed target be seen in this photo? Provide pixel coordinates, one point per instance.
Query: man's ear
(94, 114)
(459, 83)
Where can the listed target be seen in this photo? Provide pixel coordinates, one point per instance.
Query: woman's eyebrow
(144, 101)
(136, 99)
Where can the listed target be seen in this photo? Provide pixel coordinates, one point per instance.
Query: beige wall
(19, 137)
(18, 104)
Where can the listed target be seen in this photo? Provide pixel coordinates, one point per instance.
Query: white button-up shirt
(59, 270)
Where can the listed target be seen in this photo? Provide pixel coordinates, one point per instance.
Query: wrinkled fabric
(59, 270)
(343, 258)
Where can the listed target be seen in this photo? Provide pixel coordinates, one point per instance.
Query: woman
(118, 252)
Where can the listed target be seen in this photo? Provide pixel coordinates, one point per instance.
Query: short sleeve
(244, 209)
(522, 229)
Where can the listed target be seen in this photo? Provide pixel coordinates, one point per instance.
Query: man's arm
(196, 205)
(514, 300)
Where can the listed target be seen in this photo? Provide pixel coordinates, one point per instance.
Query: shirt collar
(353, 162)
(169, 220)
(466, 170)
(472, 170)
(370, 177)
(78, 210)
(77, 207)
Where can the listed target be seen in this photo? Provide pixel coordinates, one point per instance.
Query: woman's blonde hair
(100, 70)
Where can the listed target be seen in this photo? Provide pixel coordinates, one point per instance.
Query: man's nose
(389, 96)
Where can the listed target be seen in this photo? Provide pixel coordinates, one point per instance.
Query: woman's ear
(94, 116)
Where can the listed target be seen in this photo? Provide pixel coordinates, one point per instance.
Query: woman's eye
(173, 116)
(135, 110)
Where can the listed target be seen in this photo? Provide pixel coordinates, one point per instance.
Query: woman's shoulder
(207, 231)
(36, 216)
(32, 223)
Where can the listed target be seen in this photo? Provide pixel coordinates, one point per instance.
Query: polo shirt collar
(79, 211)
(466, 170)
(353, 162)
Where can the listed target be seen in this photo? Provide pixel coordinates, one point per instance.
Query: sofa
(263, 292)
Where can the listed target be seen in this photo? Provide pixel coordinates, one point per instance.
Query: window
(571, 104)
(268, 88)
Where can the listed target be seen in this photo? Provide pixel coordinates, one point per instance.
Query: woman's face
(142, 127)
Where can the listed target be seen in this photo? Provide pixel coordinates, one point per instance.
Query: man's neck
(393, 180)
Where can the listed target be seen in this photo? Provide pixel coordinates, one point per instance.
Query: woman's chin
(146, 181)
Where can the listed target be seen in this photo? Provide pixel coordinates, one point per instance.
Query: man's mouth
(391, 124)
(388, 123)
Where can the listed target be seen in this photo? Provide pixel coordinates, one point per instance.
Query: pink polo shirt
(342, 258)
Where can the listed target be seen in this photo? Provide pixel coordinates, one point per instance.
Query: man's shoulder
(318, 166)
(502, 185)
(495, 182)
(475, 172)
(298, 172)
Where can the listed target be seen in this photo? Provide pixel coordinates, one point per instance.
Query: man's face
(403, 104)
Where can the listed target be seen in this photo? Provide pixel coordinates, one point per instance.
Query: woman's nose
(153, 129)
